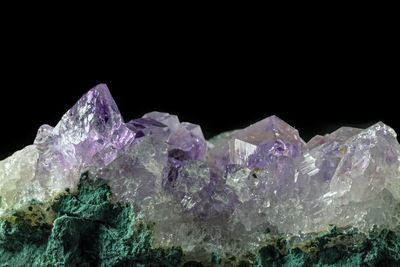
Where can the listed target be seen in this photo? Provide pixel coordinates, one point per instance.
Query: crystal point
(93, 116)
(227, 192)
(256, 145)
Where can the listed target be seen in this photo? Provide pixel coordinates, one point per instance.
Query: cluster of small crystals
(224, 194)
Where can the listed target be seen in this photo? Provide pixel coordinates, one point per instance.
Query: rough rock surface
(89, 230)
(215, 198)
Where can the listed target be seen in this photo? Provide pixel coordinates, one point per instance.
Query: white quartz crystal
(226, 194)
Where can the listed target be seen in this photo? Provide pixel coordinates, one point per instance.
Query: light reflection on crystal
(227, 192)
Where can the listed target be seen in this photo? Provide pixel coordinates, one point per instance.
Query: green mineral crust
(97, 190)
(86, 228)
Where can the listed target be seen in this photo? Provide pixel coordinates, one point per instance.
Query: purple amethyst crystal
(258, 145)
(186, 140)
(142, 127)
(222, 193)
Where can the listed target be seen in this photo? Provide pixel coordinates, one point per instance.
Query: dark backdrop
(316, 81)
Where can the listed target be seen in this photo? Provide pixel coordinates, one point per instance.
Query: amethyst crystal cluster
(225, 194)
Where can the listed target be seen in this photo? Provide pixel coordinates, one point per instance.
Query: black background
(225, 77)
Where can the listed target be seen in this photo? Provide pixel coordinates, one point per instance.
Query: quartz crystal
(225, 194)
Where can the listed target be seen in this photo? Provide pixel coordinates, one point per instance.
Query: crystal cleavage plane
(223, 194)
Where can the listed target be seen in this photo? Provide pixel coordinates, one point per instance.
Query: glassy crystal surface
(225, 194)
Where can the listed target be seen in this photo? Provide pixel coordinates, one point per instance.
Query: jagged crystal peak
(227, 192)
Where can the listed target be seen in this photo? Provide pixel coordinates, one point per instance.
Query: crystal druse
(156, 193)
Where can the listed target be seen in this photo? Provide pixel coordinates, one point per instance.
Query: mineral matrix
(96, 191)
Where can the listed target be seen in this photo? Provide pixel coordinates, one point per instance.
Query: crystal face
(226, 193)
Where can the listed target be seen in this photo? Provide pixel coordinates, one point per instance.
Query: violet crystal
(206, 196)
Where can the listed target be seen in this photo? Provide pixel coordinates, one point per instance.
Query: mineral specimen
(88, 230)
(225, 196)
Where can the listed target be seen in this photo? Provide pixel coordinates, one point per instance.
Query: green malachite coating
(219, 200)
(89, 230)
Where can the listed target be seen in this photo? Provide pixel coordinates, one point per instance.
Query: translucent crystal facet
(257, 145)
(225, 193)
